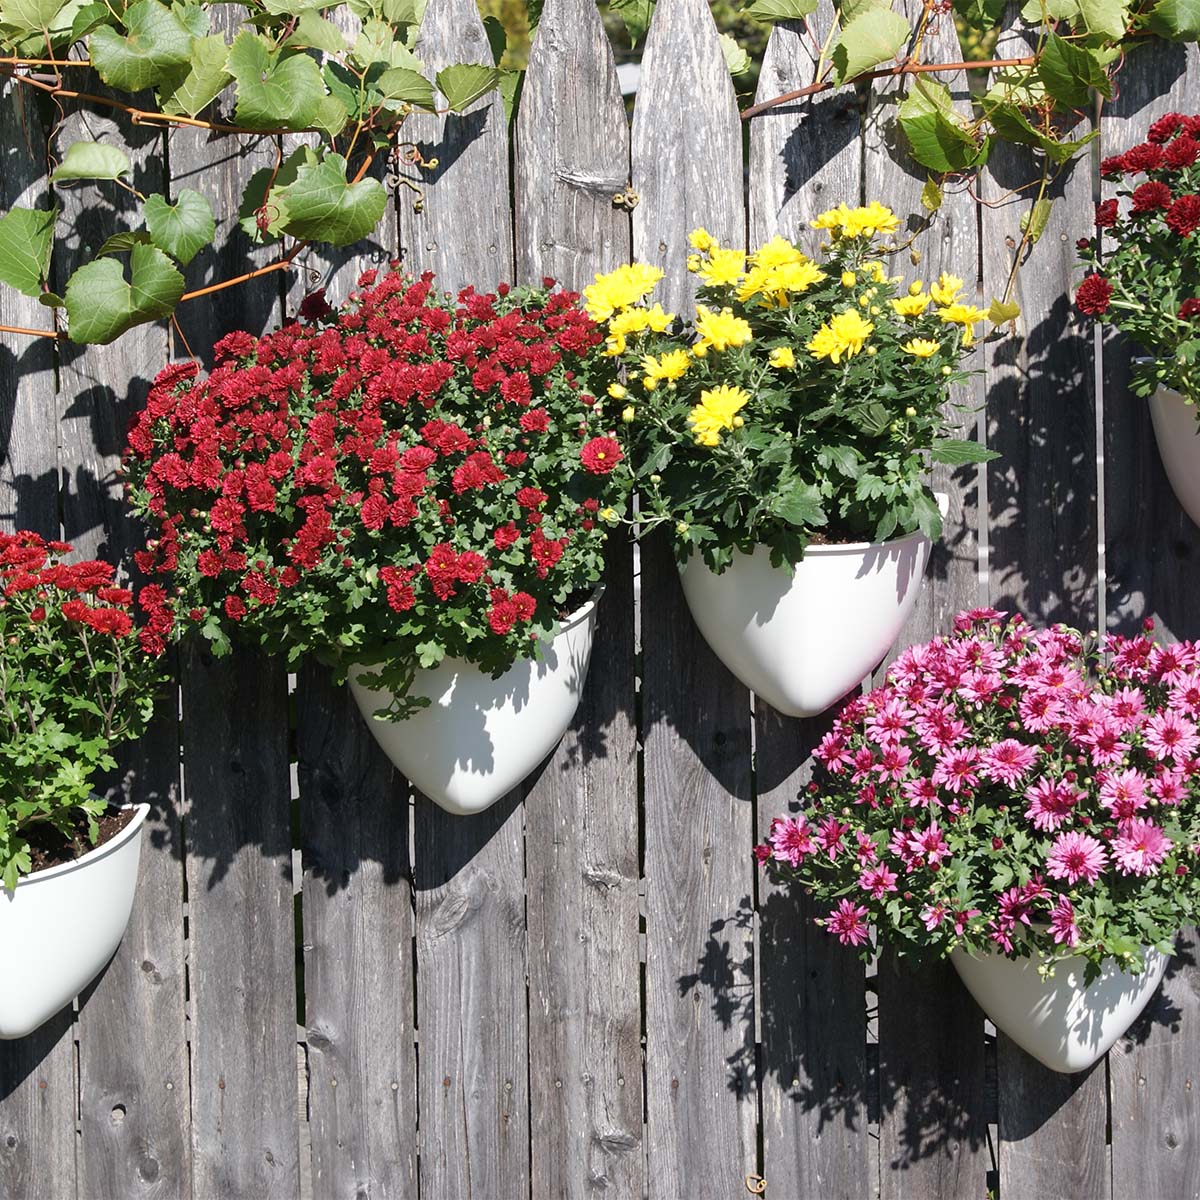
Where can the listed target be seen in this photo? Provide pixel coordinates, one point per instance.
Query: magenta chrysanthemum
(1075, 856)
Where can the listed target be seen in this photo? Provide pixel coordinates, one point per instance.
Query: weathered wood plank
(236, 790)
(37, 1073)
(1155, 1108)
(1151, 549)
(463, 232)
(805, 156)
(582, 810)
(468, 872)
(1042, 492)
(814, 1081)
(133, 1067)
(700, 1072)
(572, 143)
(358, 964)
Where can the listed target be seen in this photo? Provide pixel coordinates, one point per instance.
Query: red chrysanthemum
(1189, 310)
(1150, 197)
(601, 455)
(1107, 213)
(1183, 217)
(1093, 295)
(1146, 157)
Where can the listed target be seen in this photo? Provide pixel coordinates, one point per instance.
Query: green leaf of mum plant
(873, 37)
(780, 10)
(181, 229)
(26, 236)
(156, 44)
(205, 79)
(323, 206)
(954, 453)
(464, 83)
(798, 504)
(1069, 72)
(91, 160)
(101, 305)
(936, 134)
(274, 89)
(1176, 20)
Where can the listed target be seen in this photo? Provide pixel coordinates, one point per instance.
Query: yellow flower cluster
(946, 294)
(776, 271)
(717, 411)
(619, 289)
(842, 337)
(719, 330)
(847, 222)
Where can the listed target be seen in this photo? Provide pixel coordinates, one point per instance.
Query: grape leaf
(155, 46)
(401, 83)
(255, 196)
(736, 58)
(464, 83)
(30, 16)
(873, 37)
(936, 136)
(101, 305)
(274, 89)
(955, 453)
(316, 31)
(91, 160)
(1176, 20)
(780, 10)
(323, 206)
(204, 81)
(26, 236)
(181, 229)
(1069, 72)
(636, 14)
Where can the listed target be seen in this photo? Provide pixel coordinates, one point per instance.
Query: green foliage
(181, 229)
(26, 239)
(102, 305)
(74, 684)
(872, 37)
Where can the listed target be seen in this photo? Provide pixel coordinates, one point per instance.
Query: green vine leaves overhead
(290, 69)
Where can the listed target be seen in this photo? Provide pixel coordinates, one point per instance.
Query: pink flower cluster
(1010, 787)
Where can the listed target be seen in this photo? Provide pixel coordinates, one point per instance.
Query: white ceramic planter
(1178, 433)
(1063, 1024)
(479, 736)
(61, 926)
(802, 638)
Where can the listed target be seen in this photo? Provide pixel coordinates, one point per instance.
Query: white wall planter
(802, 638)
(60, 926)
(1063, 1024)
(1178, 433)
(481, 736)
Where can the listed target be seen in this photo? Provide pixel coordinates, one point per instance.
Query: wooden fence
(588, 990)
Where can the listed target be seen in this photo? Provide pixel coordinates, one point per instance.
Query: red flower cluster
(30, 569)
(1093, 295)
(411, 453)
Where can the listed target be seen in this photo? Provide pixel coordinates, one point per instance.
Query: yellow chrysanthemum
(831, 218)
(921, 347)
(617, 391)
(782, 358)
(632, 320)
(723, 267)
(672, 365)
(842, 337)
(658, 320)
(947, 289)
(779, 281)
(619, 289)
(911, 306)
(858, 222)
(966, 315)
(702, 240)
(777, 252)
(717, 411)
(849, 279)
(615, 344)
(875, 269)
(720, 330)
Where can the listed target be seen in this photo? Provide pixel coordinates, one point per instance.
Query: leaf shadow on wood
(824, 126)
(457, 136)
(1040, 417)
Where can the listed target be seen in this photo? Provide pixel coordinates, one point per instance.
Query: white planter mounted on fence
(61, 925)
(1178, 433)
(479, 736)
(1063, 1024)
(802, 638)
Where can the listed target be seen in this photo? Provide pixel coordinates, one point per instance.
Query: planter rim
(110, 847)
(987, 952)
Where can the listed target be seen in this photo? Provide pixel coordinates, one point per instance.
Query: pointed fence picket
(589, 988)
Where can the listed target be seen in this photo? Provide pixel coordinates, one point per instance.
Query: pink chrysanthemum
(1139, 847)
(791, 839)
(878, 881)
(848, 923)
(1169, 735)
(1123, 793)
(1076, 856)
(1007, 761)
(1050, 803)
(1062, 923)
(957, 769)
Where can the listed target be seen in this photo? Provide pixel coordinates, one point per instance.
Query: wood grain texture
(700, 1074)
(814, 1081)
(358, 953)
(469, 871)
(1044, 553)
(237, 793)
(1152, 547)
(686, 147)
(572, 152)
(582, 863)
(464, 231)
(37, 1073)
(1040, 403)
(1154, 1089)
(805, 156)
